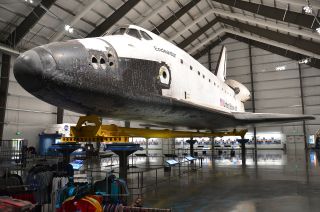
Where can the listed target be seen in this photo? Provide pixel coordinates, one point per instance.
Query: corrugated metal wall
(275, 91)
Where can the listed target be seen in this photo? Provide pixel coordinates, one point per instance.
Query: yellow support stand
(91, 129)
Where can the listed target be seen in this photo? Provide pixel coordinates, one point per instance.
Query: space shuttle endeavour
(133, 74)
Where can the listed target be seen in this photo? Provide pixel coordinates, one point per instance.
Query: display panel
(77, 164)
(311, 139)
(189, 158)
(172, 162)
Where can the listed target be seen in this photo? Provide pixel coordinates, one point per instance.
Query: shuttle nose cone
(29, 70)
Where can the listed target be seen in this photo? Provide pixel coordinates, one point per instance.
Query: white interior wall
(29, 115)
(275, 91)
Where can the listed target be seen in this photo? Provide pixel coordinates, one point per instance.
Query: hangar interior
(273, 48)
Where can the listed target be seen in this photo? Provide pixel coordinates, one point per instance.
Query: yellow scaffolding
(91, 129)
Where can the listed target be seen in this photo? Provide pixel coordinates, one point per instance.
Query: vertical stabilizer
(221, 68)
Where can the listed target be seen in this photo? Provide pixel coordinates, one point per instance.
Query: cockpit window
(134, 33)
(119, 31)
(145, 35)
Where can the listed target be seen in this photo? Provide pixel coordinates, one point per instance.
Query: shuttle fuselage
(132, 74)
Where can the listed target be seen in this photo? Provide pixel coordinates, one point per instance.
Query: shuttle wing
(252, 118)
(201, 117)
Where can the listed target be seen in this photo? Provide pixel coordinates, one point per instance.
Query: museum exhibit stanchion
(243, 150)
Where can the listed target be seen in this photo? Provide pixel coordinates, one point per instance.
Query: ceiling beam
(266, 23)
(210, 46)
(314, 3)
(197, 34)
(153, 12)
(259, 39)
(243, 18)
(75, 19)
(273, 43)
(186, 28)
(205, 41)
(275, 50)
(8, 50)
(300, 19)
(113, 18)
(16, 36)
(168, 22)
(271, 48)
(300, 43)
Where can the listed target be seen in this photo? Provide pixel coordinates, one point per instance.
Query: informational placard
(311, 139)
(172, 162)
(189, 158)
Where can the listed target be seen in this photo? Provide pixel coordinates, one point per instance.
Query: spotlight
(307, 9)
(304, 61)
(280, 68)
(29, 1)
(68, 28)
(318, 30)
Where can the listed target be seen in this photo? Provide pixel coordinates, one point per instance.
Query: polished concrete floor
(276, 181)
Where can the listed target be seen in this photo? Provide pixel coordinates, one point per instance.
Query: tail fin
(221, 68)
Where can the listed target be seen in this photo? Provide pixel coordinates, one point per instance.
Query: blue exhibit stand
(65, 149)
(123, 150)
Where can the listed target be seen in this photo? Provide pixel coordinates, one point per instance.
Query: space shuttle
(133, 74)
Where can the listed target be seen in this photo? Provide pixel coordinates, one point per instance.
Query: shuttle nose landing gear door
(164, 74)
(164, 79)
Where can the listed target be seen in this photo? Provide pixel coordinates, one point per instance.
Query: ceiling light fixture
(280, 68)
(29, 1)
(307, 9)
(68, 28)
(304, 61)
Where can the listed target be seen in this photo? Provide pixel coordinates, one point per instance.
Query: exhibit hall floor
(277, 181)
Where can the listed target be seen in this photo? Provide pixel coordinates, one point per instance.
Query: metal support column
(253, 104)
(243, 150)
(302, 108)
(147, 146)
(4, 84)
(60, 113)
(173, 146)
(191, 142)
(212, 147)
(209, 60)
